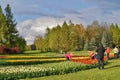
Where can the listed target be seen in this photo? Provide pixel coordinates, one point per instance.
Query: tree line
(9, 35)
(70, 36)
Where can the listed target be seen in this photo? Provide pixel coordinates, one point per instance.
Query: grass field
(37, 53)
(111, 72)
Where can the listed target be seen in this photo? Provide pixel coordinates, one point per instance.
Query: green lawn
(111, 72)
(37, 53)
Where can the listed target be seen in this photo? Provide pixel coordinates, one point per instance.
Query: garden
(46, 55)
(31, 65)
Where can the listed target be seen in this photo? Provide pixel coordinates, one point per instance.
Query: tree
(92, 30)
(106, 39)
(20, 42)
(57, 37)
(115, 31)
(38, 42)
(78, 36)
(3, 28)
(86, 45)
(33, 47)
(65, 37)
(8, 33)
(11, 24)
(46, 39)
(92, 44)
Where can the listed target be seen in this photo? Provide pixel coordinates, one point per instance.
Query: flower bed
(31, 57)
(15, 72)
(30, 61)
(2, 57)
(80, 57)
(30, 71)
(17, 60)
(86, 60)
(45, 59)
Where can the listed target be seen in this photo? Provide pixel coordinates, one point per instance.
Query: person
(108, 52)
(100, 53)
(91, 54)
(116, 52)
(68, 56)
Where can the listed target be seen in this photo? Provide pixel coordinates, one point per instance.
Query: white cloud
(31, 28)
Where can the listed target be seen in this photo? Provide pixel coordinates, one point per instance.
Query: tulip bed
(33, 57)
(26, 60)
(87, 60)
(33, 61)
(29, 57)
(38, 70)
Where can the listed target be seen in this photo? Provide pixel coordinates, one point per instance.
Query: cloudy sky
(34, 16)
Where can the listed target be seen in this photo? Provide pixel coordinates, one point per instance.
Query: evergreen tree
(115, 31)
(98, 38)
(11, 24)
(3, 28)
(92, 44)
(106, 39)
(20, 42)
(11, 36)
(86, 45)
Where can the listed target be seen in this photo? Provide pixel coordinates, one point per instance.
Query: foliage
(106, 39)
(92, 44)
(86, 45)
(39, 43)
(6, 50)
(66, 37)
(3, 28)
(12, 31)
(115, 31)
(9, 35)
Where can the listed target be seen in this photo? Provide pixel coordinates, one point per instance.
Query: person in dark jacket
(100, 52)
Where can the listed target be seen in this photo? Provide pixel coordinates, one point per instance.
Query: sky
(34, 16)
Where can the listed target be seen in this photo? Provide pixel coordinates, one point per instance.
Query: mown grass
(111, 72)
(38, 53)
(58, 54)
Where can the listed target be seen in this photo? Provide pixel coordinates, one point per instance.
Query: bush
(6, 50)
(2, 49)
(15, 50)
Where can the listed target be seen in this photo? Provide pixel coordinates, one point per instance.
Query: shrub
(7, 50)
(4, 49)
(15, 50)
